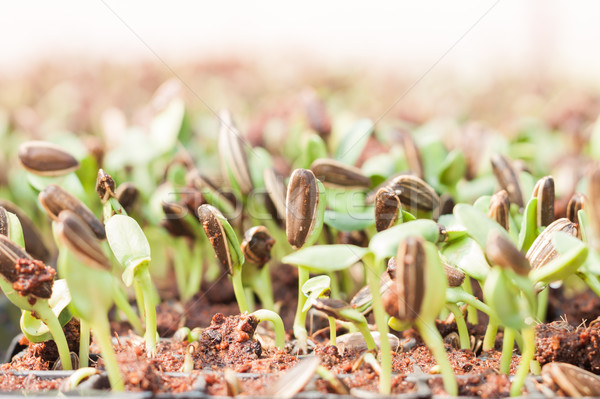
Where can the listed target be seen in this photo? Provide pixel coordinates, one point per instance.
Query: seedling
(268, 315)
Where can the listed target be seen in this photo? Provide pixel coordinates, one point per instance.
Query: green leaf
(505, 300)
(468, 256)
(573, 254)
(15, 231)
(453, 168)
(318, 223)
(33, 328)
(351, 145)
(326, 258)
(128, 243)
(477, 223)
(315, 148)
(529, 230)
(167, 124)
(435, 286)
(349, 222)
(385, 243)
(314, 288)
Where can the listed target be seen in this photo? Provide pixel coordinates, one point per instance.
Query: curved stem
(123, 305)
(145, 283)
(435, 343)
(373, 278)
(101, 330)
(300, 320)
(489, 340)
(238, 289)
(508, 344)
(526, 358)
(461, 325)
(84, 343)
(332, 331)
(542, 304)
(269, 315)
(46, 315)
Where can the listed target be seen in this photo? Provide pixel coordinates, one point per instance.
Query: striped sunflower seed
(174, 221)
(507, 178)
(412, 154)
(10, 252)
(211, 219)
(75, 234)
(404, 298)
(363, 300)
(301, 206)
(544, 192)
(574, 381)
(415, 193)
(502, 252)
(387, 208)
(335, 173)
(275, 187)
(34, 241)
(576, 203)
(127, 194)
(500, 209)
(542, 250)
(454, 275)
(46, 159)
(234, 160)
(4, 223)
(55, 199)
(257, 245)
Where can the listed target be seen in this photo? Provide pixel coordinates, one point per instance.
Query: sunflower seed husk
(105, 186)
(500, 209)
(4, 223)
(404, 298)
(276, 189)
(318, 119)
(295, 379)
(362, 300)
(542, 250)
(234, 159)
(576, 203)
(354, 237)
(356, 342)
(574, 381)
(10, 252)
(332, 172)
(454, 275)
(127, 195)
(174, 221)
(301, 206)
(76, 234)
(544, 192)
(46, 159)
(502, 252)
(412, 154)
(55, 199)
(370, 197)
(257, 245)
(387, 208)
(446, 204)
(211, 223)
(34, 242)
(334, 308)
(415, 193)
(507, 178)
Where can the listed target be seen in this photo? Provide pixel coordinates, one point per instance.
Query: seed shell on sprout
(4, 223)
(105, 185)
(276, 191)
(573, 380)
(127, 194)
(502, 252)
(257, 245)
(542, 250)
(233, 155)
(332, 172)
(208, 216)
(34, 242)
(10, 252)
(544, 192)
(174, 222)
(362, 300)
(46, 159)
(76, 234)
(454, 275)
(387, 208)
(507, 178)
(415, 193)
(55, 199)
(316, 113)
(301, 206)
(500, 209)
(576, 203)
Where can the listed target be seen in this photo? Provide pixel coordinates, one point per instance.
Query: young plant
(87, 271)
(131, 248)
(317, 287)
(268, 315)
(418, 296)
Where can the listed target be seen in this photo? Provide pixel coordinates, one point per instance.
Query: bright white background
(556, 36)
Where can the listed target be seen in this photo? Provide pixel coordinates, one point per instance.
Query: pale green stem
(139, 300)
(489, 340)
(180, 271)
(334, 285)
(84, 343)
(347, 282)
(462, 296)
(81, 374)
(591, 281)
(143, 280)
(366, 333)
(249, 294)
(44, 312)
(526, 358)
(435, 343)
(508, 345)
(332, 331)
(123, 305)
(263, 288)
(101, 330)
(300, 320)
(195, 274)
(269, 315)
(373, 278)
(461, 325)
(472, 316)
(535, 367)
(542, 304)
(238, 289)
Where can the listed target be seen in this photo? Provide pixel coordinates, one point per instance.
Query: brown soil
(11, 382)
(487, 385)
(585, 306)
(33, 277)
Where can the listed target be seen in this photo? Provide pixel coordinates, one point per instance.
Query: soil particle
(561, 342)
(11, 382)
(486, 385)
(33, 277)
